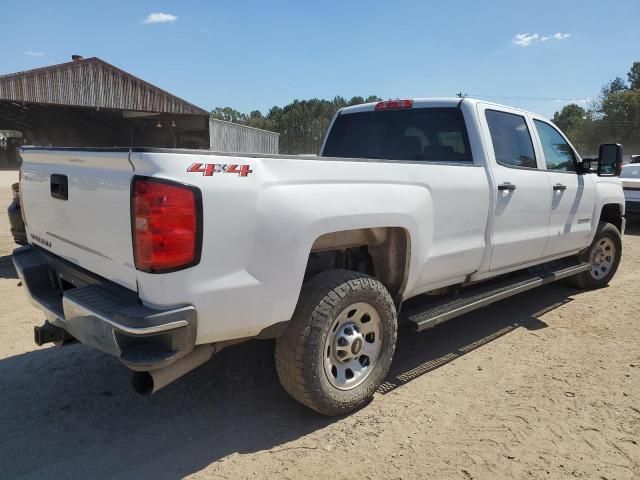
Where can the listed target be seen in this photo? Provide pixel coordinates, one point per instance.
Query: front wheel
(603, 257)
(339, 344)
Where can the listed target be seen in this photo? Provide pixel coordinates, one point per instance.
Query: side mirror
(610, 160)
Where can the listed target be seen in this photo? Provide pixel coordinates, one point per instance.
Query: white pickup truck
(163, 257)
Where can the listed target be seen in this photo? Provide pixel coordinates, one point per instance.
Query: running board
(478, 297)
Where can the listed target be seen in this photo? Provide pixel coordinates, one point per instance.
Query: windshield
(630, 171)
(428, 134)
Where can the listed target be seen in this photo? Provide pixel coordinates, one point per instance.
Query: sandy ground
(7, 177)
(543, 385)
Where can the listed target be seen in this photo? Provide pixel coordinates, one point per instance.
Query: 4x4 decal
(208, 169)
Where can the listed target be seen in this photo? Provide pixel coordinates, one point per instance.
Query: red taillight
(166, 225)
(394, 104)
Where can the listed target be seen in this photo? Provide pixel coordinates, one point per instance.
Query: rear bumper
(104, 315)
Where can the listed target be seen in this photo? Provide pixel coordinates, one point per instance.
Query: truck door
(572, 195)
(522, 201)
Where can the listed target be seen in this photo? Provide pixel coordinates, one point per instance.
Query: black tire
(587, 280)
(300, 351)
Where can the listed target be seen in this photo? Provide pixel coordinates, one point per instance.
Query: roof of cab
(432, 102)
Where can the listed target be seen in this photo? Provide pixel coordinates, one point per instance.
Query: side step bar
(478, 297)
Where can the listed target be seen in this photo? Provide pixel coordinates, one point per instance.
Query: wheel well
(612, 213)
(382, 252)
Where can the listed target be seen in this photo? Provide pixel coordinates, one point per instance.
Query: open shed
(88, 102)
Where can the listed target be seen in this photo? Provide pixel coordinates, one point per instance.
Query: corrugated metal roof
(91, 82)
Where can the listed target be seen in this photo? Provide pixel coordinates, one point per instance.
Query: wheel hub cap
(602, 258)
(352, 346)
(348, 342)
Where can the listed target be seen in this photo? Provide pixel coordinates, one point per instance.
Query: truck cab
(544, 204)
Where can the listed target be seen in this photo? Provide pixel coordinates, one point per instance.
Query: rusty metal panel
(231, 137)
(91, 83)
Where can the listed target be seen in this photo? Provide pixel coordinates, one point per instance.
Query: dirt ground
(543, 385)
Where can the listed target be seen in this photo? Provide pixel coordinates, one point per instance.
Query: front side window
(511, 139)
(418, 134)
(558, 154)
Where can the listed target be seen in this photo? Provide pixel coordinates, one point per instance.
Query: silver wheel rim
(602, 258)
(352, 346)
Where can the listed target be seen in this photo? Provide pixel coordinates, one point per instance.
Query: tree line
(301, 124)
(613, 117)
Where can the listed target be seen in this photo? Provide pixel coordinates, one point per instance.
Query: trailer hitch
(49, 333)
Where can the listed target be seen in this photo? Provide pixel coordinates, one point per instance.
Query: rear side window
(558, 154)
(423, 134)
(511, 139)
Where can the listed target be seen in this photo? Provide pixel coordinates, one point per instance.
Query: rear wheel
(339, 344)
(603, 257)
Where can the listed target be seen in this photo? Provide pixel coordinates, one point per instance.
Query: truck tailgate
(77, 205)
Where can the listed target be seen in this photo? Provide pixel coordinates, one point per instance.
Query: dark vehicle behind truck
(15, 217)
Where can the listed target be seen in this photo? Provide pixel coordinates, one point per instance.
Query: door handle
(510, 187)
(559, 186)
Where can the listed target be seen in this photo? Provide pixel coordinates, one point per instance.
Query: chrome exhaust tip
(146, 383)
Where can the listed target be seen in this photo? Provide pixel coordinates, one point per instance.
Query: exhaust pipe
(146, 383)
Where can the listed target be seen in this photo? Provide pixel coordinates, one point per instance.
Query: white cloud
(526, 39)
(31, 53)
(160, 17)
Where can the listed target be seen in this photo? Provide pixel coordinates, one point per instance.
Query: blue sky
(256, 54)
